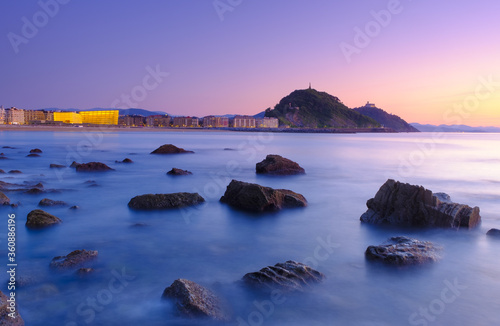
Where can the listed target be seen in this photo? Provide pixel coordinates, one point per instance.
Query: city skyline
(425, 62)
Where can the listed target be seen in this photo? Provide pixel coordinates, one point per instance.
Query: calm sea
(215, 245)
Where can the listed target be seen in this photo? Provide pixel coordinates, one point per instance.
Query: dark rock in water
(34, 191)
(408, 205)
(170, 149)
(256, 198)
(36, 150)
(50, 202)
(139, 225)
(84, 271)
(165, 201)
(39, 219)
(38, 185)
(73, 259)
(56, 166)
(93, 167)
(176, 171)
(494, 233)
(288, 276)
(2, 171)
(3, 157)
(275, 164)
(403, 251)
(10, 147)
(75, 207)
(33, 155)
(5, 318)
(14, 172)
(195, 301)
(74, 164)
(229, 149)
(127, 160)
(4, 200)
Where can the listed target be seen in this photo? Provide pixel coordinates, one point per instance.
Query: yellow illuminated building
(68, 117)
(105, 117)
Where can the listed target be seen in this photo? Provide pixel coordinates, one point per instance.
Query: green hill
(309, 108)
(386, 119)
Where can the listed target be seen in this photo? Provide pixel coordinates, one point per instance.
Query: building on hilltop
(215, 122)
(186, 122)
(369, 105)
(243, 121)
(266, 122)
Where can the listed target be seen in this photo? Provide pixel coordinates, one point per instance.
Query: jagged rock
(195, 301)
(408, 205)
(5, 319)
(56, 166)
(36, 150)
(14, 172)
(403, 251)
(4, 200)
(170, 149)
(126, 160)
(176, 171)
(165, 201)
(92, 167)
(74, 164)
(50, 202)
(40, 219)
(33, 155)
(494, 233)
(287, 276)
(276, 164)
(73, 259)
(257, 198)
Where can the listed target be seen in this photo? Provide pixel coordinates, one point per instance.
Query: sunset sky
(426, 61)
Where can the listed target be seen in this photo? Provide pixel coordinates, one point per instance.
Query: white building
(14, 116)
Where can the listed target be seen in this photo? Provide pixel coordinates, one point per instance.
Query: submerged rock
(276, 164)
(74, 164)
(34, 191)
(126, 160)
(2, 171)
(5, 318)
(36, 150)
(50, 202)
(195, 301)
(176, 171)
(39, 219)
(494, 233)
(287, 276)
(165, 201)
(256, 198)
(408, 205)
(403, 251)
(57, 166)
(73, 259)
(84, 271)
(33, 155)
(93, 167)
(4, 200)
(170, 149)
(15, 172)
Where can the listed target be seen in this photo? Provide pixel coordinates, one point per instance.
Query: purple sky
(427, 61)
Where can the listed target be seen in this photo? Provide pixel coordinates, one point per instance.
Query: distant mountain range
(308, 108)
(386, 119)
(453, 128)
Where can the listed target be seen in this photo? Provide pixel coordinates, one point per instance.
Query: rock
(4, 200)
(33, 155)
(165, 201)
(288, 276)
(93, 167)
(14, 172)
(403, 251)
(36, 150)
(139, 225)
(34, 191)
(73, 259)
(2, 171)
(56, 166)
(170, 149)
(40, 219)
(256, 198)
(50, 202)
(195, 301)
(176, 171)
(494, 233)
(74, 164)
(127, 160)
(275, 164)
(408, 205)
(75, 207)
(10, 147)
(84, 271)
(2, 157)
(5, 319)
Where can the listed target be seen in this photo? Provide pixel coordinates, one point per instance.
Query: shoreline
(106, 128)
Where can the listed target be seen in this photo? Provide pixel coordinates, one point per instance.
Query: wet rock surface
(176, 171)
(165, 201)
(278, 165)
(494, 233)
(50, 202)
(256, 198)
(38, 219)
(170, 149)
(4, 200)
(93, 167)
(56, 166)
(73, 259)
(5, 319)
(403, 204)
(403, 251)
